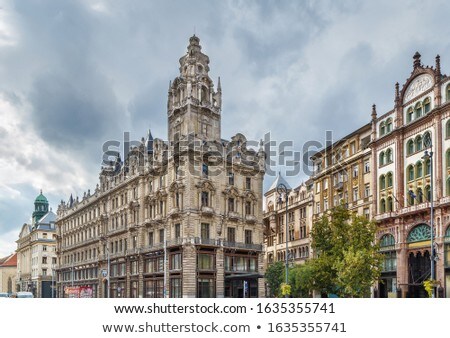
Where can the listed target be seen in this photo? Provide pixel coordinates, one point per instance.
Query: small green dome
(41, 199)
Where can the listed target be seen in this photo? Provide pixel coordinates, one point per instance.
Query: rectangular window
(231, 178)
(205, 170)
(325, 204)
(248, 208)
(175, 261)
(355, 194)
(231, 234)
(134, 242)
(248, 237)
(205, 199)
(366, 167)
(154, 288)
(367, 213)
(135, 267)
(318, 207)
(44, 248)
(204, 231)
(44, 272)
(355, 171)
(205, 288)
(366, 190)
(230, 204)
(150, 238)
(44, 260)
(176, 288)
(177, 230)
(248, 183)
(205, 261)
(161, 235)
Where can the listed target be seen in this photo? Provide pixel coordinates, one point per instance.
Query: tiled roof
(8, 261)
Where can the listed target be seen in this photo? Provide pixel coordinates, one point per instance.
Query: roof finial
(41, 191)
(397, 93)
(438, 65)
(416, 58)
(374, 112)
(219, 86)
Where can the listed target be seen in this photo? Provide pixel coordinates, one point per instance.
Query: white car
(24, 294)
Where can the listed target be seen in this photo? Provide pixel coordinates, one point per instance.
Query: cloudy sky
(74, 74)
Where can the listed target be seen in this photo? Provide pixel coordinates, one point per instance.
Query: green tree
(347, 260)
(301, 279)
(275, 277)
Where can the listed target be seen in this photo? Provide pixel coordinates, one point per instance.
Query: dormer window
(409, 115)
(382, 128)
(388, 125)
(427, 105)
(418, 110)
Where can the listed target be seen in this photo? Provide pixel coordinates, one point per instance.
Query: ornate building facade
(181, 218)
(342, 174)
(403, 138)
(36, 252)
(299, 218)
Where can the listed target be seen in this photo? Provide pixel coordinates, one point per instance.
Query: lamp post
(283, 190)
(108, 291)
(428, 155)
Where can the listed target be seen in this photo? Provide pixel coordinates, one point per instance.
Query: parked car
(23, 294)
(4, 294)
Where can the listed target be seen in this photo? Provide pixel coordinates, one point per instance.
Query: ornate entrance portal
(419, 264)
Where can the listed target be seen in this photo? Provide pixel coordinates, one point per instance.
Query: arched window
(410, 172)
(419, 143)
(389, 180)
(447, 129)
(428, 193)
(382, 182)
(447, 158)
(427, 105)
(390, 204)
(409, 115)
(427, 140)
(382, 159)
(418, 110)
(387, 240)
(388, 125)
(421, 232)
(427, 167)
(410, 147)
(419, 169)
(389, 158)
(382, 206)
(382, 128)
(419, 195)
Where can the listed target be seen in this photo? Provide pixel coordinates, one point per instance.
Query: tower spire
(416, 58)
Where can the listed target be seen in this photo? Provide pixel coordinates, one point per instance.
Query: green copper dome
(40, 207)
(41, 199)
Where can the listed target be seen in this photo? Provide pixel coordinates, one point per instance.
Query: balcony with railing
(207, 211)
(233, 216)
(206, 241)
(241, 245)
(414, 208)
(250, 219)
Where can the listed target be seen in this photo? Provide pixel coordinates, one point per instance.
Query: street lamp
(428, 156)
(105, 242)
(282, 190)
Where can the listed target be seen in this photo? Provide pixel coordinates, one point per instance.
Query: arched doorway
(419, 264)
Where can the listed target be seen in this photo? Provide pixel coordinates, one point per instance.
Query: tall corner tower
(193, 107)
